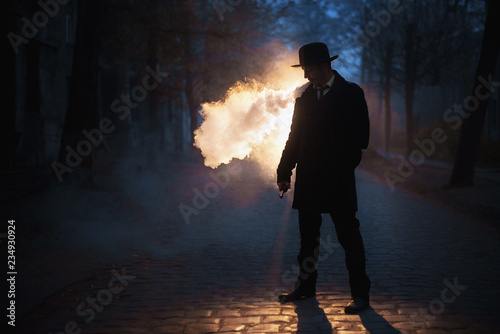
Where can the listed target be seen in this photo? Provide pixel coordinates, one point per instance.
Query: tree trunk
(470, 135)
(409, 84)
(409, 95)
(192, 93)
(191, 72)
(387, 91)
(82, 112)
(154, 143)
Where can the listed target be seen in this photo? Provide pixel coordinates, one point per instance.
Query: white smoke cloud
(253, 122)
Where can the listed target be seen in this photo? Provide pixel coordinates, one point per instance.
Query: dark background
(66, 65)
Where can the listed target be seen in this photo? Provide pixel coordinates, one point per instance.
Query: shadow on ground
(311, 317)
(375, 323)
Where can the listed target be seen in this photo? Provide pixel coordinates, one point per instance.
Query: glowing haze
(253, 120)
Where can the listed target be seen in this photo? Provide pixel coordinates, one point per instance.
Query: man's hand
(283, 187)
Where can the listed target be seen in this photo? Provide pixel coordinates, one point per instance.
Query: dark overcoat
(324, 144)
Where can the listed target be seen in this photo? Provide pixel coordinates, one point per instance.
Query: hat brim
(331, 59)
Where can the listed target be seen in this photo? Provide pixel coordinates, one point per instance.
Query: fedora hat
(314, 53)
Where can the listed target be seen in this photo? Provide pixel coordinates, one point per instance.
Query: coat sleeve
(360, 122)
(289, 157)
(357, 128)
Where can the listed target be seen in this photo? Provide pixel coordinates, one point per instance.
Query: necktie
(322, 90)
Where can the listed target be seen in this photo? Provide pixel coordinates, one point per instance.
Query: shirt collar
(329, 83)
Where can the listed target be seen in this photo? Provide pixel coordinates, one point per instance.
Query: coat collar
(336, 90)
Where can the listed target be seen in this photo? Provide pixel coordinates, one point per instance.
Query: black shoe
(296, 295)
(356, 305)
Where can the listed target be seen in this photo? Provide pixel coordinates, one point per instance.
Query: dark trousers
(348, 235)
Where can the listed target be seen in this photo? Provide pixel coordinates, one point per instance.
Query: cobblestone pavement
(432, 270)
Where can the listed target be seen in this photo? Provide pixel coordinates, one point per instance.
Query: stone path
(432, 270)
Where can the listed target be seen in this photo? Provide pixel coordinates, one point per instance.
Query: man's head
(318, 74)
(315, 60)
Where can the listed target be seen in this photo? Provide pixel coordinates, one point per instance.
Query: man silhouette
(330, 127)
